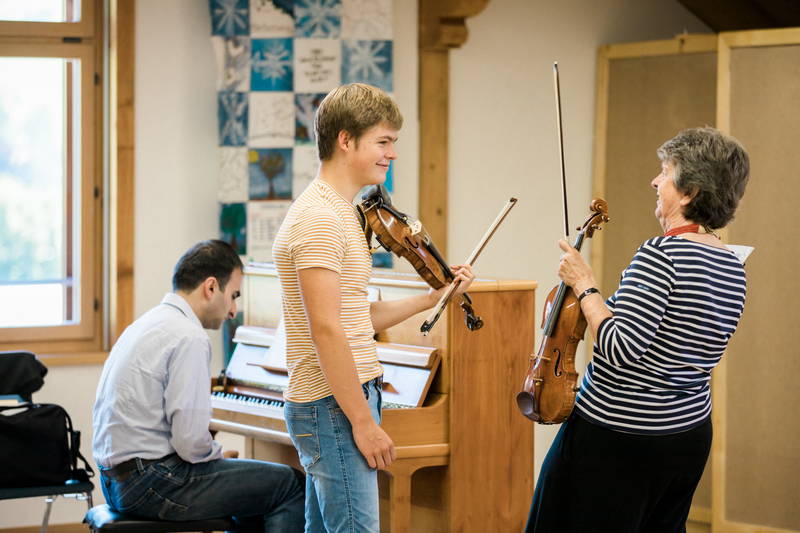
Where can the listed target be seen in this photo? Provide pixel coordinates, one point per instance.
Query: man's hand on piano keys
(375, 445)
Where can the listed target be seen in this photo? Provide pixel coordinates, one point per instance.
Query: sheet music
(741, 251)
(277, 352)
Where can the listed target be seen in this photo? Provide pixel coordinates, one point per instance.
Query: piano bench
(101, 518)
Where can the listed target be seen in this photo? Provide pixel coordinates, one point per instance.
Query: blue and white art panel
(272, 65)
(306, 106)
(263, 222)
(230, 17)
(233, 226)
(367, 62)
(276, 61)
(272, 18)
(271, 120)
(367, 19)
(233, 63)
(318, 18)
(317, 65)
(305, 165)
(232, 118)
(234, 183)
(270, 171)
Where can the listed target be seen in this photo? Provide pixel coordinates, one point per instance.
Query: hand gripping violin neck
(407, 238)
(548, 392)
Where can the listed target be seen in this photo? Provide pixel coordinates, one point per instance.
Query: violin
(549, 389)
(398, 233)
(550, 385)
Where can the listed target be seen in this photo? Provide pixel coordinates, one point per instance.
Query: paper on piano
(741, 251)
(274, 340)
(277, 352)
(373, 294)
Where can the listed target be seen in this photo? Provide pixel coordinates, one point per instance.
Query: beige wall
(503, 128)
(502, 144)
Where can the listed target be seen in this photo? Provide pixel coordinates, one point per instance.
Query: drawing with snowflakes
(272, 65)
(230, 17)
(368, 62)
(318, 18)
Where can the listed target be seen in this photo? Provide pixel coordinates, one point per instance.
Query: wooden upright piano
(464, 453)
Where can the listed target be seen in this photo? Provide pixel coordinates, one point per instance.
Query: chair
(80, 490)
(21, 374)
(102, 519)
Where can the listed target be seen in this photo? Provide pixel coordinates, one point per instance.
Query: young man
(151, 439)
(333, 407)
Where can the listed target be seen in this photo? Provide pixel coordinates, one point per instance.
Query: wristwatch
(587, 292)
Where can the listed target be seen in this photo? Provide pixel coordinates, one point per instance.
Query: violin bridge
(415, 227)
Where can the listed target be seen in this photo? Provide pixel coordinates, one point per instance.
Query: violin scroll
(599, 209)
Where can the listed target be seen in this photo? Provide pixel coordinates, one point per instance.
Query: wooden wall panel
(762, 470)
(649, 100)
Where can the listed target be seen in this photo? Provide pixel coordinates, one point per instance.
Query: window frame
(84, 41)
(86, 27)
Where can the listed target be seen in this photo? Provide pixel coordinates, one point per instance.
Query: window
(51, 226)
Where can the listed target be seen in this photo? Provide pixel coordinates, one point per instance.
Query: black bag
(21, 373)
(39, 447)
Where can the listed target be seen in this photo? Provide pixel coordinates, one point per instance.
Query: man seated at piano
(151, 415)
(333, 400)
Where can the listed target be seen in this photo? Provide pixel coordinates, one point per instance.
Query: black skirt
(595, 479)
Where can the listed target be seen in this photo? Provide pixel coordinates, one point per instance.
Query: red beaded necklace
(688, 228)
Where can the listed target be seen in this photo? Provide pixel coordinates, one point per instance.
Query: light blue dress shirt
(153, 398)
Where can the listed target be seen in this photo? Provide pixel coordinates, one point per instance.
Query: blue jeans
(260, 496)
(341, 488)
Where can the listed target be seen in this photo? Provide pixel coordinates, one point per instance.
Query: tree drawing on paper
(272, 165)
(232, 225)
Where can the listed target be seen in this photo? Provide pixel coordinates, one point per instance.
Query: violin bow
(557, 87)
(437, 311)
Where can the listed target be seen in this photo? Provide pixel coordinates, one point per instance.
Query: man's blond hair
(353, 108)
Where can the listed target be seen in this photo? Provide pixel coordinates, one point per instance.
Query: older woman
(630, 456)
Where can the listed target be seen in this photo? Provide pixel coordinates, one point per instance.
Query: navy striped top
(676, 308)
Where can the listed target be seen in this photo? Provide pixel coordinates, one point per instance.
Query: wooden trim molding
(121, 151)
(719, 383)
(442, 26)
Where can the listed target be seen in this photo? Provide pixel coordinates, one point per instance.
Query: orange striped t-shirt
(322, 230)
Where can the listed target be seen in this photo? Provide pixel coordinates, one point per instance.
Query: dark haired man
(156, 456)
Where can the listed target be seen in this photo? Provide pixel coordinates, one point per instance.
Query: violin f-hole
(412, 243)
(557, 367)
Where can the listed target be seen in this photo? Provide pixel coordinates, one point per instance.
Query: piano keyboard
(247, 404)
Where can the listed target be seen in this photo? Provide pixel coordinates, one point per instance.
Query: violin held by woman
(548, 391)
(632, 453)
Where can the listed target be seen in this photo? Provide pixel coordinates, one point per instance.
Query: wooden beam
(122, 40)
(442, 26)
(734, 15)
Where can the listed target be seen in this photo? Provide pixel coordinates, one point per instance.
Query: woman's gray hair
(712, 168)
